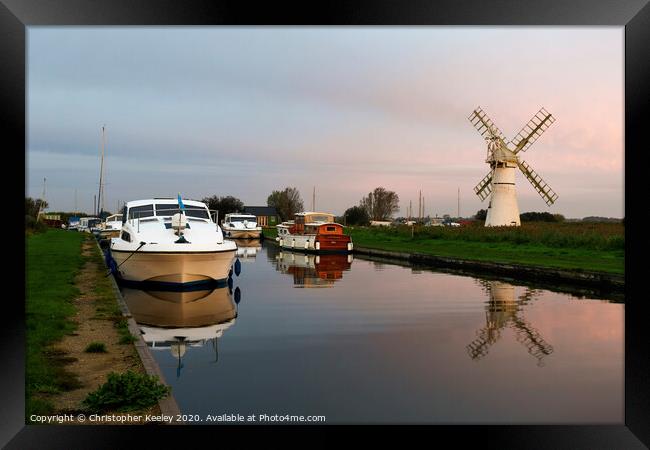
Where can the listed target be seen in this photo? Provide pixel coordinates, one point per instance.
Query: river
(358, 341)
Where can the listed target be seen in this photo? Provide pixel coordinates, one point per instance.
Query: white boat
(170, 241)
(241, 226)
(111, 227)
(87, 224)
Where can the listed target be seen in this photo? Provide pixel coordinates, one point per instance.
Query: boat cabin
(311, 219)
(165, 208)
(323, 228)
(114, 218)
(239, 217)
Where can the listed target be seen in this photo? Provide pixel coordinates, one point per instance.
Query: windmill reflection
(177, 321)
(311, 271)
(504, 310)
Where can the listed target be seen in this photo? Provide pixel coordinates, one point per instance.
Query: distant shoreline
(600, 281)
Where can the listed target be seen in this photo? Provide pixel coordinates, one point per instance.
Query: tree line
(379, 204)
(532, 216)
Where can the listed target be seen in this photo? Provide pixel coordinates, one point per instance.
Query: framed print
(299, 219)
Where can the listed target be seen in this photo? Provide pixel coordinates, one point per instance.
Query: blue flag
(180, 202)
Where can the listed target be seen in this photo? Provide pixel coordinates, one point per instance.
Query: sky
(244, 111)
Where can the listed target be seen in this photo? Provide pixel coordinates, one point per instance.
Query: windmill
(502, 156)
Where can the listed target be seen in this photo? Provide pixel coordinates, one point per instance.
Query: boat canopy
(163, 208)
(311, 217)
(239, 217)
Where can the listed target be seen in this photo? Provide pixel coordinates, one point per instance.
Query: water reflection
(504, 310)
(178, 321)
(312, 271)
(247, 249)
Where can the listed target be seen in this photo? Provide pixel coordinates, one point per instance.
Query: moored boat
(241, 226)
(170, 242)
(314, 232)
(88, 224)
(111, 227)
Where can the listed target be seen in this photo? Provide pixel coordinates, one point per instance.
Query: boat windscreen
(243, 218)
(196, 211)
(169, 209)
(138, 212)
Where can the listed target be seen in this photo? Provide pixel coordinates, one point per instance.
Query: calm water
(368, 342)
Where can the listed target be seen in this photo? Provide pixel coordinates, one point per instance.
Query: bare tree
(287, 202)
(380, 204)
(33, 206)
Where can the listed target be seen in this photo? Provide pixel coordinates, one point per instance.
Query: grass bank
(76, 334)
(598, 247)
(583, 246)
(53, 259)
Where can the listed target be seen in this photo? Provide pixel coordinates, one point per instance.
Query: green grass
(129, 391)
(53, 258)
(96, 347)
(596, 247)
(593, 247)
(123, 329)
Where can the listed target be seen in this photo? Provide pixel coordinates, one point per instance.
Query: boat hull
(175, 268)
(108, 234)
(242, 234)
(308, 243)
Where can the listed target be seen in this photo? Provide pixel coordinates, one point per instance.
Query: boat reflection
(504, 309)
(310, 271)
(247, 249)
(177, 321)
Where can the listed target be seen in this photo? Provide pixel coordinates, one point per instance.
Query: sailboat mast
(100, 199)
(313, 200)
(40, 206)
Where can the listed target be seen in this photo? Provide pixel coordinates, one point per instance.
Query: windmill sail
(531, 339)
(484, 188)
(532, 130)
(543, 189)
(484, 124)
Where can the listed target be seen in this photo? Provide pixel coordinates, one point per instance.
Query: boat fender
(237, 295)
(317, 245)
(230, 285)
(293, 243)
(237, 267)
(306, 245)
(281, 242)
(349, 246)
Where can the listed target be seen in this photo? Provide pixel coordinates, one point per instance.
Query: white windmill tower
(500, 181)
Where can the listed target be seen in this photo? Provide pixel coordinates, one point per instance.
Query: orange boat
(314, 232)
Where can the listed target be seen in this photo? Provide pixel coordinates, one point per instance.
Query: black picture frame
(634, 15)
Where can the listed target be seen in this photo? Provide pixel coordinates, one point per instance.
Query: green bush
(129, 391)
(96, 347)
(127, 339)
